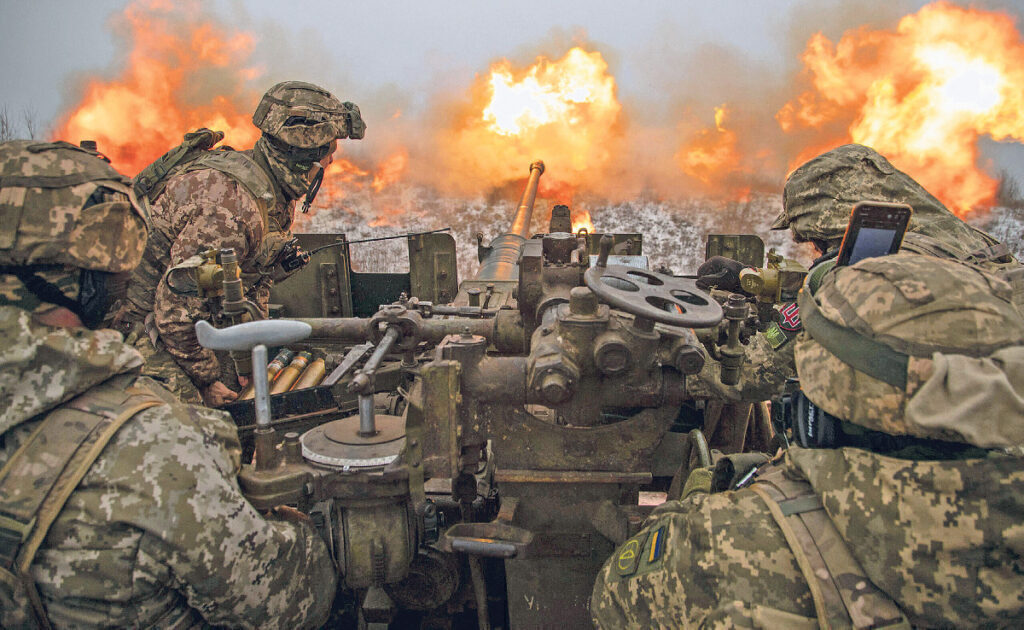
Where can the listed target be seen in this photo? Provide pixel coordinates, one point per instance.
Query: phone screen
(871, 242)
(875, 229)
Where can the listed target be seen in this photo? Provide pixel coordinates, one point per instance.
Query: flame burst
(922, 96)
(183, 72)
(565, 112)
(712, 152)
(582, 222)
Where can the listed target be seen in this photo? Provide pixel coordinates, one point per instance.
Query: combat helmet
(68, 221)
(912, 345)
(305, 116)
(820, 194)
(300, 122)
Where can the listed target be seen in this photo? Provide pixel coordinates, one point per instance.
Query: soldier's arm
(218, 221)
(237, 568)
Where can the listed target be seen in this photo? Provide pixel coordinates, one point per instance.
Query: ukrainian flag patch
(657, 548)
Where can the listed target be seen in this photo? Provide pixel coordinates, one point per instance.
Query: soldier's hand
(720, 272)
(216, 394)
(291, 515)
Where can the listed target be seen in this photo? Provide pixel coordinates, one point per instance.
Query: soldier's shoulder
(185, 437)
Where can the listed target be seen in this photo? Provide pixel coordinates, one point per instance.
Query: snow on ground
(674, 231)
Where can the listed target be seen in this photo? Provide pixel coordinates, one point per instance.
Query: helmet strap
(314, 187)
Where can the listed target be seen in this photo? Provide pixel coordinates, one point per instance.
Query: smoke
(683, 120)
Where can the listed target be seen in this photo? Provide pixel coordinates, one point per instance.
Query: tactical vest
(40, 477)
(843, 596)
(235, 164)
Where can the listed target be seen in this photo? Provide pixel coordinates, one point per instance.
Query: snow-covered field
(674, 231)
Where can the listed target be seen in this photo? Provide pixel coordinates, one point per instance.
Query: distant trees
(28, 129)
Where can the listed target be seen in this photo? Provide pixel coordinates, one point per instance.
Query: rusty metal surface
(526, 442)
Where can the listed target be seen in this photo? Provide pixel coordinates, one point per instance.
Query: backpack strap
(41, 475)
(844, 597)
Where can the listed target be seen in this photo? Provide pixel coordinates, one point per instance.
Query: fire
(185, 70)
(158, 96)
(922, 95)
(711, 151)
(565, 111)
(582, 222)
(390, 171)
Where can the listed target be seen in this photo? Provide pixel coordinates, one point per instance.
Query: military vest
(39, 478)
(152, 182)
(843, 595)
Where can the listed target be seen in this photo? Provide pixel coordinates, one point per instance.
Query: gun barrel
(502, 260)
(521, 222)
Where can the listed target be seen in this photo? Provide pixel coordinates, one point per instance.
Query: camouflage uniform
(220, 199)
(931, 532)
(156, 533)
(817, 202)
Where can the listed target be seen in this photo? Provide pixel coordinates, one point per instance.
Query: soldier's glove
(720, 272)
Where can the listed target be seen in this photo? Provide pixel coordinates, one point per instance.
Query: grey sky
(406, 50)
(409, 44)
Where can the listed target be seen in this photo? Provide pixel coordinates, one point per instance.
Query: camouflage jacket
(157, 534)
(199, 210)
(943, 539)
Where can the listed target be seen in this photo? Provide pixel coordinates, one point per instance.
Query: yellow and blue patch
(642, 553)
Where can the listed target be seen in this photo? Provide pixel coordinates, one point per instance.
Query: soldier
(903, 503)
(817, 201)
(118, 505)
(245, 200)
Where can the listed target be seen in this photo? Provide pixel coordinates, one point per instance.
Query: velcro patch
(776, 338)
(628, 558)
(790, 317)
(643, 553)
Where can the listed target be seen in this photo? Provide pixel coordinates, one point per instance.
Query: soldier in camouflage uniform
(119, 506)
(817, 202)
(905, 506)
(245, 200)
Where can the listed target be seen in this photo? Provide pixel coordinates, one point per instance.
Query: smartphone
(876, 228)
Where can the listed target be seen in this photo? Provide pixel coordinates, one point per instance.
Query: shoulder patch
(776, 338)
(628, 558)
(642, 554)
(790, 317)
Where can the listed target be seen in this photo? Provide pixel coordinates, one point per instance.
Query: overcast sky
(403, 50)
(413, 44)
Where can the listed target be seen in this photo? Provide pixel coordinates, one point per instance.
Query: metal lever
(362, 383)
(254, 336)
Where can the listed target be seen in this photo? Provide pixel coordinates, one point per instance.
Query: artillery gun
(532, 407)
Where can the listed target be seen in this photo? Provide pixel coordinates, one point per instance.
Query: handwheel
(654, 296)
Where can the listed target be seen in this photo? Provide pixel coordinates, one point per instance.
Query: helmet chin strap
(314, 187)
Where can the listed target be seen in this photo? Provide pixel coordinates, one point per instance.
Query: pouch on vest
(151, 181)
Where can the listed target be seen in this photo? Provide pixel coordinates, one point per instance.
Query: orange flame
(564, 111)
(390, 171)
(184, 71)
(582, 222)
(159, 95)
(711, 152)
(922, 96)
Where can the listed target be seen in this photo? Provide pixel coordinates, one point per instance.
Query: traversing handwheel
(655, 296)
